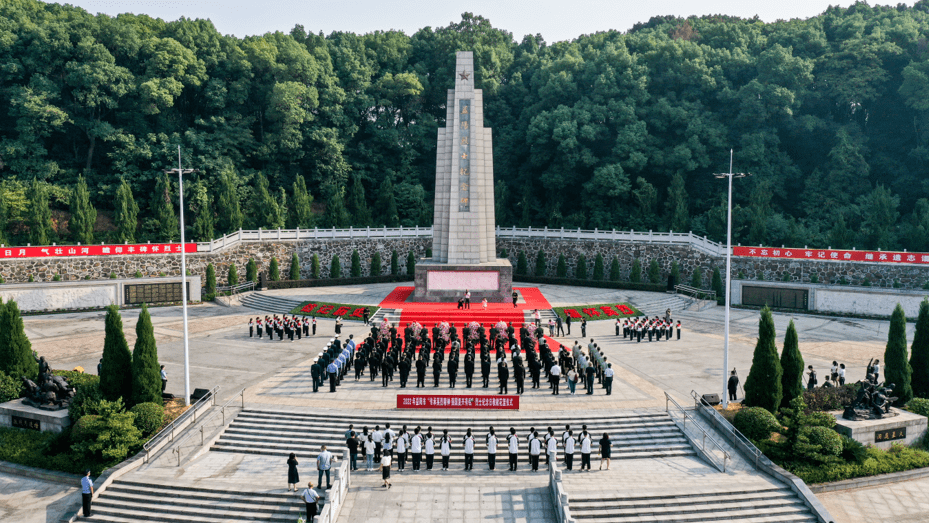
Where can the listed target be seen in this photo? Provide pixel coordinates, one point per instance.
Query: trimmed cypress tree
(274, 272)
(504, 254)
(562, 270)
(522, 265)
(210, 279)
(897, 369)
(614, 269)
(635, 273)
(919, 352)
(146, 374)
(792, 367)
(540, 269)
(116, 367)
(356, 264)
(335, 268)
(294, 267)
(314, 267)
(165, 220)
(718, 284)
(16, 357)
(654, 272)
(580, 269)
(428, 252)
(126, 213)
(676, 272)
(763, 386)
(394, 263)
(375, 268)
(598, 267)
(233, 277)
(83, 214)
(696, 280)
(40, 215)
(410, 264)
(251, 270)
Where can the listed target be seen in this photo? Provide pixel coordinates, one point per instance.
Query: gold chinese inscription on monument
(464, 153)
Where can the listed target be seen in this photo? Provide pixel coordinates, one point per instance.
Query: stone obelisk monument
(463, 240)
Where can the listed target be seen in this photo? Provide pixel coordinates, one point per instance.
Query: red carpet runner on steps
(429, 314)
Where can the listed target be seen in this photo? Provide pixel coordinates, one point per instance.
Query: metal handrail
(706, 436)
(177, 448)
(700, 294)
(236, 288)
(724, 424)
(192, 411)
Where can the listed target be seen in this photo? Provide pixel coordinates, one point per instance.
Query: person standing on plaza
(369, 453)
(551, 454)
(430, 448)
(811, 381)
(567, 322)
(468, 444)
(353, 444)
(678, 327)
(608, 378)
(569, 450)
(445, 447)
(585, 450)
(87, 492)
(503, 373)
(835, 372)
(571, 379)
(512, 441)
(467, 302)
(416, 448)
(310, 498)
(378, 438)
(338, 325)
(164, 379)
(841, 374)
(401, 453)
(583, 327)
(251, 328)
(292, 476)
(491, 449)
(590, 372)
(605, 450)
(555, 373)
(333, 371)
(323, 465)
(385, 470)
(314, 325)
(364, 315)
(515, 297)
(535, 450)
(733, 385)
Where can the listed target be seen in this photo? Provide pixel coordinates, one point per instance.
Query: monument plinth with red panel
(463, 238)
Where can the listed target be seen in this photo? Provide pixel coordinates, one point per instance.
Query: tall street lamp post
(729, 175)
(180, 189)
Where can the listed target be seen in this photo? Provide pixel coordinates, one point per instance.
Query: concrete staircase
(271, 433)
(127, 501)
(751, 504)
(268, 303)
(657, 304)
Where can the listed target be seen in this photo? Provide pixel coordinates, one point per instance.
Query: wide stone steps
(278, 434)
(657, 305)
(125, 501)
(268, 303)
(755, 505)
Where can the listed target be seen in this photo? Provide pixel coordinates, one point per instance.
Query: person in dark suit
(469, 368)
(316, 374)
(503, 373)
(519, 374)
(436, 370)
(485, 370)
(404, 371)
(421, 372)
(452, 370)
(515, 297)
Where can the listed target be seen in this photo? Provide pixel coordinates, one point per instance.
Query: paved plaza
(276, 373)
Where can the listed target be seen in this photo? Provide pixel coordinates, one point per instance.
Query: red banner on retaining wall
(56, 251)
(832, 255)
(431, 401)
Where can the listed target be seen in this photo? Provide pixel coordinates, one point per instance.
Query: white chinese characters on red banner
(832, 255)
(55, 251)
(416, 401)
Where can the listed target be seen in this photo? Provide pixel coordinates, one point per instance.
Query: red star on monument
(463, 75)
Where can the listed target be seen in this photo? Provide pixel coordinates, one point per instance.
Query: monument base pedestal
(17, 414)
(904, 428)
(444, 282)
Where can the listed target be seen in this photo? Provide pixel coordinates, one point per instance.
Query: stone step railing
(700, 243)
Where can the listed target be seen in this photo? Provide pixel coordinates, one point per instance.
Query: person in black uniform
(535, 368)
(385, 370)
(519, 374)
(485, 370)
(567, 323)
(591, 372)
(733, 385)
(515, 297)
(503, 372)
(469, 368)
(316, 373)
(436, 369)
(421, 371)
(359, 366)
(452, 369)
(404, 371)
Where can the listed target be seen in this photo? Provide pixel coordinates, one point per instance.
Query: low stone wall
(865, 301)
(70, 295)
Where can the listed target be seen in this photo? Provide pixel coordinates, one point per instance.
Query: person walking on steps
(311, 499)
(605, 445)
(385, 469)
(292, 476)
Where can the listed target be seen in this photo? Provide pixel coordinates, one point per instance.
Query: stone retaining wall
(688, 258)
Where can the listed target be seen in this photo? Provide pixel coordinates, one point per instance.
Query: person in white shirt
(608, 378)
(555, 374)
(569, 450)
(378, 442)
(491, 449)
(445, 447)
(484, 303)
(388, 442)
(164, 379)
(841, 374)
(585, 450)
(401, 453)
(369, 453)
(310, 497)
(430, 449)
(87, 492)
(416, 448)
(385, 469)
(469, 450)
(512, 441)
(323, 465)
(535, 450)
(552, 453)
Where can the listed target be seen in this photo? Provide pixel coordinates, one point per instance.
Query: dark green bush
(111, 435)
(853, 451)
(10, 388)
(756, 423)
(918, 406)
(84, 397)
(818, 443)
(148, 417)
(828, 398)
(81, 431)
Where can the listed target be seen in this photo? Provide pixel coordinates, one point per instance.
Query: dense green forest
(611, 130)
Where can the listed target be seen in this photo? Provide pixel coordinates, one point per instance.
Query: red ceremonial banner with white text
(832, 255)
(431, 401)
(57, 251)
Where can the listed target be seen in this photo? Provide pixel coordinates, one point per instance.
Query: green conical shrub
(294, 267)
(598, 267)
(314, 267)
(676, 272)
(356, 264)
(763, 386)
(696, 280)
(522, 265)
(116, 367)
(792, 367)
(580, 270)
(233, 277)
(210, 279)
(654, 272)
(394, 263)
(410, 264)
(146, 372)
(718, 284)
(540, 268)
(614, 270)
(897, 369)
(251, 270)
(562, 270)
(375, 269)
(335, 269)
(274, 271)
(919, 353)
(635, 273)
(16, 356)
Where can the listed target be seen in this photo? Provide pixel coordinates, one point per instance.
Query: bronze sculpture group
(51, 392)
(872, 401)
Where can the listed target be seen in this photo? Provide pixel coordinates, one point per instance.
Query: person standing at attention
(585, 450)
(555, 374)
(251, 327)
(311, 498)
(87, 492)
(491, 449)
(535, 450)
(513, 444)
(733, 385)
(515, 297)
(353, 445)
(369, 454)
(323, 464)
(583, 327)
(292, 476)
(484, 303)
(445, 446)
(469, 450)
(430, 448)
(605, 445)
(467, 302)
(608, 378)
(164, 379)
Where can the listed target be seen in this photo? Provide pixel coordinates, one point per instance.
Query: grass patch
(323, 309)
(603, 311)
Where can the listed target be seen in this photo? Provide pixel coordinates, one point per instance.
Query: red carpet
(428, 314)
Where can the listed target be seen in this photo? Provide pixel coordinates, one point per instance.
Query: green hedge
(897, 459)
(602, 284)
(296, 284)
(756, 423)
(148, 417)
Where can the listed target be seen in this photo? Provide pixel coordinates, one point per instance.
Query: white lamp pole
(730, 175)
(180, 189)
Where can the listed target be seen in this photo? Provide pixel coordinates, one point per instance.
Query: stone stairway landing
(268, 303)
